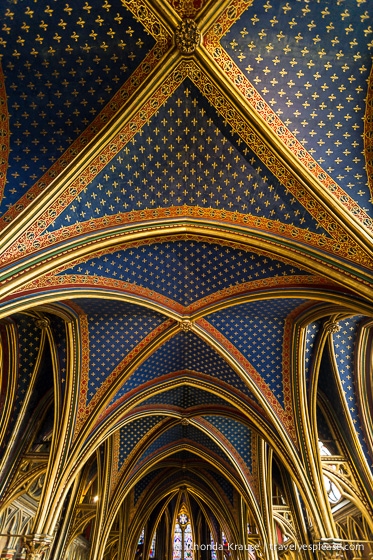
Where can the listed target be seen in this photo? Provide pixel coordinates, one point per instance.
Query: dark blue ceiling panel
(237, 434)
(131, 434)
(59, 75)
(257, 331)
(311, 62)
(185, 271)
(184, 155)
(31, 379)
(144, 483)
(185, 351)
(344, 343)
(224, 484)
(115, 328)
(29, 337)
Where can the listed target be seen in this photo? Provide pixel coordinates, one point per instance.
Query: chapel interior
(186, 279)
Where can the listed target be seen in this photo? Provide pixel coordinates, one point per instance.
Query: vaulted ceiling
(186, 207)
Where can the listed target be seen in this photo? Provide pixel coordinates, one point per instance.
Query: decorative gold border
(275, 227)
(364, 380)
(188, 9)
(167, 382)
(4, 133)
(74, 281)
(345, 408)
(9, 374)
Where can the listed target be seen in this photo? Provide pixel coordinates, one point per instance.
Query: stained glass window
(152, 548)
(140, 545)
(334, 494)
(177, 542)
(187, 553)
(213, 551)
(324, 451)
(251, 550)
(188, 542)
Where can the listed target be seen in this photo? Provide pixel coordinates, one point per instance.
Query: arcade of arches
(186, 279)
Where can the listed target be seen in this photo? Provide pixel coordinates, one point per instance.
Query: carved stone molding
(332, 327)
(42, 323)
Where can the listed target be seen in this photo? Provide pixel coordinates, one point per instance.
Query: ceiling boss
(187, 36)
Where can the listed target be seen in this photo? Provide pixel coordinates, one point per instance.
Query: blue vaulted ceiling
(185, 270)
(29, 368)
(225, 485)
(238, 434)
(114, 330)
(311, 64)
(132, 433)
(257, 330)
(28, 343)
(345, 352)
(185, 351)
(62, 72)
(144, 483)
(171, 162)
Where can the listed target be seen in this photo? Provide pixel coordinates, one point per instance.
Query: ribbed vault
(185, 277)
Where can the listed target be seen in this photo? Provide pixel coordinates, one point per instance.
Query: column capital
(36, 545)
